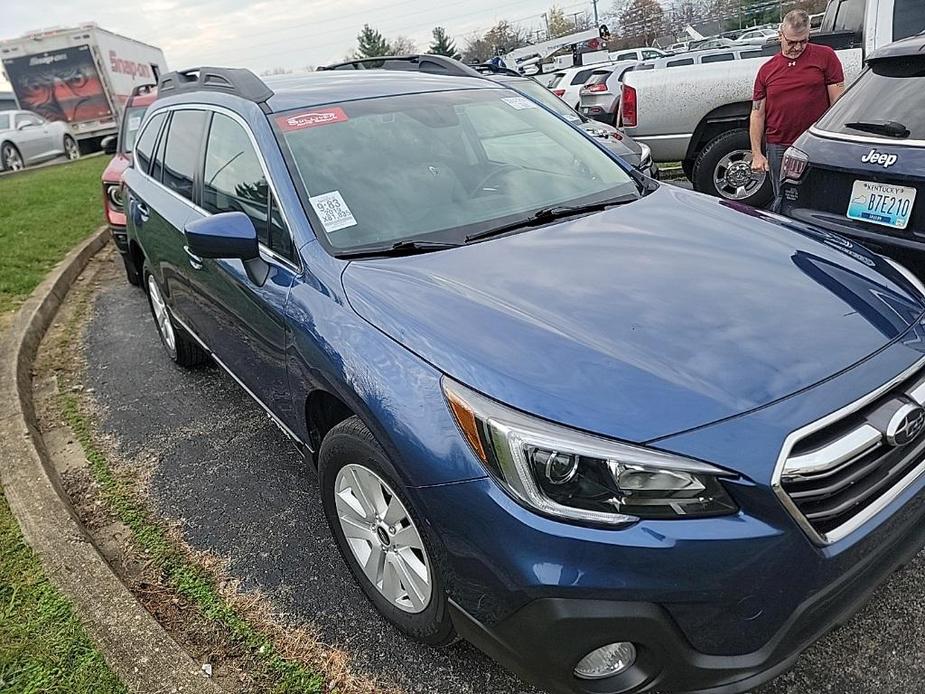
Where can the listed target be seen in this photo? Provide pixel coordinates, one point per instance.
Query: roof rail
(418, 62)
(229, 80)
(492, 69)
(139, 89)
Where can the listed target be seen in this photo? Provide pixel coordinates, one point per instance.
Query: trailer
(81, 75)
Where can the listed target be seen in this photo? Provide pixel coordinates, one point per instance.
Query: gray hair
(798, 20)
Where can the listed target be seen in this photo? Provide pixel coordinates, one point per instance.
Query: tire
(10, 158)
(348, 454)
(180, 347)
(131, 272)
(71, 149)
(728, 157)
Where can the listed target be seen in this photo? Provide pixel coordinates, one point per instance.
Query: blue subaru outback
(621, 436)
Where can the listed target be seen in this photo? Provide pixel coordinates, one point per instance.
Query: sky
(263, 35)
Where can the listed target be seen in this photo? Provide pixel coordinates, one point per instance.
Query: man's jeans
(775, 159)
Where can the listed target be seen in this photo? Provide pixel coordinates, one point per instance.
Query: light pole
(597, 22)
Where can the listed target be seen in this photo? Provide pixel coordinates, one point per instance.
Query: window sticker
(333, 211)
(311, 119)
(134, 122)
(519, 102)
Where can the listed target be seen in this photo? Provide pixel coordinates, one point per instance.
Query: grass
(43, 214)
(43, 647)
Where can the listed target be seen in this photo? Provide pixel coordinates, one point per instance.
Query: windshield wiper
(407, 247)
(890, 128)
(548, 214)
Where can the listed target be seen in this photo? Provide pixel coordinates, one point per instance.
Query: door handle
(194, 260)
(143, 212)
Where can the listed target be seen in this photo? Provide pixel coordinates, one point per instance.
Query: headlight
(569, 474)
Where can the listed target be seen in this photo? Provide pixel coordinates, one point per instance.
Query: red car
(135, 107)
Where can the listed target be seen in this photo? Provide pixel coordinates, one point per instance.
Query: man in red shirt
(792, 90)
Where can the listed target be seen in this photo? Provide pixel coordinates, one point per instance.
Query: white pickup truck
(698, 114)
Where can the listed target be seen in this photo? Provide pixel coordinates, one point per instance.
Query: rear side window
(627, 56)
(233, 181)
(4, 121)
(581, 76)
(144, 148)
(181, 156)
(900, 83)
(718, 58)
(682, 61)
(749, 54)
(908, 18)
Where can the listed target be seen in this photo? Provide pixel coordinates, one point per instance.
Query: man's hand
(759, 162)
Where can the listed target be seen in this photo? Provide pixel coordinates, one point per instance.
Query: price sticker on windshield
(134, 122)
(518, 102)
(332, 211)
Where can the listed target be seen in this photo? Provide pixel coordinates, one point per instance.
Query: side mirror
(109, 143)
(224, 235)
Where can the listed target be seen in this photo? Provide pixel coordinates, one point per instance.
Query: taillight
(601, 87)
(559, 92)
(112, 200)
(794, 164)
(628, 106)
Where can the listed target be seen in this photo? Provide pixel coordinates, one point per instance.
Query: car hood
(643, 320)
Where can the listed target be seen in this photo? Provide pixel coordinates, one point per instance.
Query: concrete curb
(135, 646)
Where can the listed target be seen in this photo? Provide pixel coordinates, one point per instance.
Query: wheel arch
(324, 411)
(717, 122)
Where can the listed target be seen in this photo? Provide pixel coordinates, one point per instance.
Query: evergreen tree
(443, 44)
(372, 44)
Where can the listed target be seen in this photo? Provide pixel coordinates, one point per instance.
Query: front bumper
(714, 606)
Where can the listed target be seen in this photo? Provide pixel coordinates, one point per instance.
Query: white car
(756, 37)
(26, 138)
(567, 83)
(637, 54)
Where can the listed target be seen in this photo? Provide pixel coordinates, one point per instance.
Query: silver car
(27, 138)
(600, 95)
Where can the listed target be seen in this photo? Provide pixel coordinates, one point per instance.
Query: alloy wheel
(161, 316)
(71, 149)
(11, 159)
(383, 538)
(733, 177)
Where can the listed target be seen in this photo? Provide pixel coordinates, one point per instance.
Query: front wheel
(71, 150)
(724, 169)
(385, 546)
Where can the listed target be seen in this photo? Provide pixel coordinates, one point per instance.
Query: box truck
(81, 75)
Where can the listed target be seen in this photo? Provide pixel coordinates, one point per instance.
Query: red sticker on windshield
(310, 119)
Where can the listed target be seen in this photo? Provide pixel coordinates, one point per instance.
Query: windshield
(546, 98)
(897, 82)
(439, 166)
(132, 118)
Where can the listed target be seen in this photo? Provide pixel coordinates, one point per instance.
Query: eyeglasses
(791, 42)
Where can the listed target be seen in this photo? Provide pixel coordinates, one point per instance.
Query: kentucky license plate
(881, 203)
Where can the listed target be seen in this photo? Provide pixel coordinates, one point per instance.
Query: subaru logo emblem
(905, 424)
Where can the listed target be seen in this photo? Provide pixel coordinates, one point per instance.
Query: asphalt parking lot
(238, 489)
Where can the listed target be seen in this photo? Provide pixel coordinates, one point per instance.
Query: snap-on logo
(881, 158)
(311, 119)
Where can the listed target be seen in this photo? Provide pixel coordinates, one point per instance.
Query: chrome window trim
(866, 139)
(861, 518)
(276, 420)
(271, 254)
(843, 450)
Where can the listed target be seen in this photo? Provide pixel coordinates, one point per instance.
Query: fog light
(607, 661)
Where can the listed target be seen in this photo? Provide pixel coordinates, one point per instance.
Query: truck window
(182, 153)
(908, 18)
(144, 148)
(844, 15)
(899, 82)
(681, 61)
(718, 58)
(627, 56)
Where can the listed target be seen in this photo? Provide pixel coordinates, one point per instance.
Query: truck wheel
(723, 169)
(71, 150)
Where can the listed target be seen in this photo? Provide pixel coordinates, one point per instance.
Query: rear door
(239, 317)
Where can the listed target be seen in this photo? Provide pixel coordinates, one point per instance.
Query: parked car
(600, 95)
(622, 436)
(708, 44)
(121, 147)
(567, 83)
(679, 47)
(637, 54)
(630, 151)
(719, 55)
(860, 171)
(26, 139)
(707, 127)
(756, 37)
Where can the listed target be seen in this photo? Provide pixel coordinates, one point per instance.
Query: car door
(30, 138)
(242, 317)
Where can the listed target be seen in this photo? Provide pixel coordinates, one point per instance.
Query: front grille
(835, 474)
